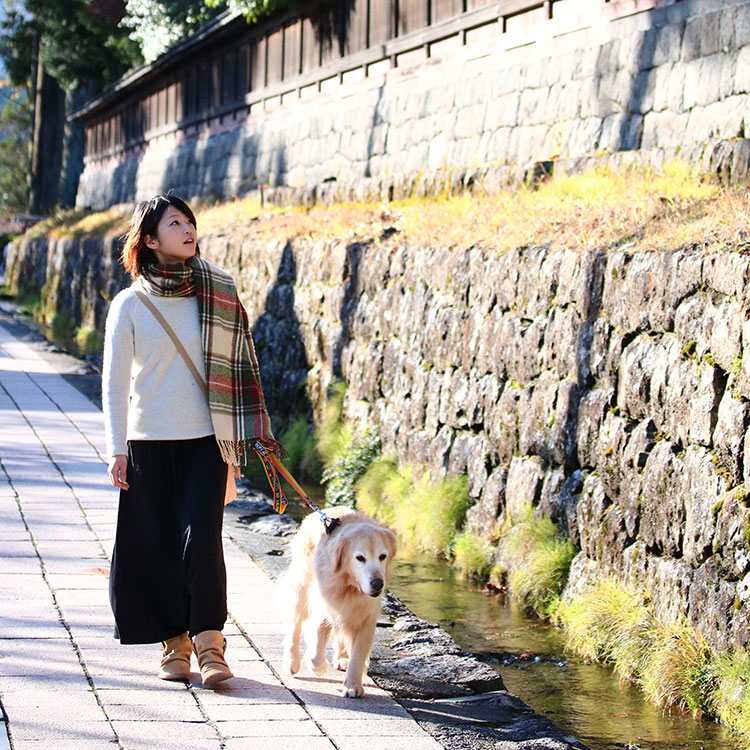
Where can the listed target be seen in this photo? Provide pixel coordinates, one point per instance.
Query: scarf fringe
(240, 452)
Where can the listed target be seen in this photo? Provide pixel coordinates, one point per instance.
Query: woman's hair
(136, 255)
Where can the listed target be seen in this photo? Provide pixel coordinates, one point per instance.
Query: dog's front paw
(318, 668)
(290, 663)
(342, 663)
(352, 691)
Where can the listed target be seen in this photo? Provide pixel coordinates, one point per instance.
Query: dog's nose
(376, 585)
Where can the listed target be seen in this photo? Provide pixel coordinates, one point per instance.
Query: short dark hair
(136, 255)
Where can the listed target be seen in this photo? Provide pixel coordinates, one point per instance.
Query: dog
(334, 587)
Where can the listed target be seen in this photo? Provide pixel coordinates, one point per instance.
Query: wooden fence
(233, 66)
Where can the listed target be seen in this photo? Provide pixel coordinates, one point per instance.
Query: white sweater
(148, 392)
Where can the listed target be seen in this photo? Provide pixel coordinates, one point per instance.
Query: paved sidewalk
(65, 682)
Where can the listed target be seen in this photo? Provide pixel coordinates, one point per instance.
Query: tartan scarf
(235, 396)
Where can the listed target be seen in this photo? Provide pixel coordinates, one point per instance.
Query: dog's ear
(390, 542)
(339, 549)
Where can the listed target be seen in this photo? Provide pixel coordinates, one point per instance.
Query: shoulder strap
(172, 335)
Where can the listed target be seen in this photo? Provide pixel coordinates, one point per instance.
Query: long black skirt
(168, 574)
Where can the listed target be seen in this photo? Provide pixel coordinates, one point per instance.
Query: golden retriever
(335, 584)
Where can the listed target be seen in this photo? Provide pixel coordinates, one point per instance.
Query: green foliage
(731, 697)
(437, 511)
(156, 25)
(89, 341)
(253, 10)
(302, 455)
(679, 670)
(538, 559)
(62, 329)
(472, 555)
(30, 303)
(374, 493)
(15, 131)
(359, 449)
(332, 435)
(77, 46)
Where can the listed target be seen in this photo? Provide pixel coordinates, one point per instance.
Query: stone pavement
(65, 682)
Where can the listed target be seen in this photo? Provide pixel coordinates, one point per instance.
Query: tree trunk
(46, 158)
(74, 146)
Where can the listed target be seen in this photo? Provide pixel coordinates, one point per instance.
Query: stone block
(669, 583)
(502, 425)
(482, 518)
(591, 508)
(532, 106)
(730, 543)
(592, 410)
(613, 437)
(728, 438)
(536, 417)
(662, 513)
(676, 87)
(707, 487)
(711, 605)
(502, 111)
(523, 486)
(635, 373)
(704, 404)
(726, 335)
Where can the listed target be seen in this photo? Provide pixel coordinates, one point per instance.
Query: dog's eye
(382, 557)
(361, 558)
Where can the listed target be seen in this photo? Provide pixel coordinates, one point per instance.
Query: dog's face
(364, 552)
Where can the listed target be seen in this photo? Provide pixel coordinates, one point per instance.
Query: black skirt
(168, 574)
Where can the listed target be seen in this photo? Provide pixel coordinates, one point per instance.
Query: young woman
(173, 447)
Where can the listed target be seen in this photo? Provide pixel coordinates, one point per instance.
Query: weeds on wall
(537, 557)
(303, 459)
(472, 554)
(614, 624)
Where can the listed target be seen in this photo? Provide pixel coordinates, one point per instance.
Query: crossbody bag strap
(172, 335)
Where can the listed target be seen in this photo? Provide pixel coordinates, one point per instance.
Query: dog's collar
(331, 524)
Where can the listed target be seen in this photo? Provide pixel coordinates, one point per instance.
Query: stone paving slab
(57, 523)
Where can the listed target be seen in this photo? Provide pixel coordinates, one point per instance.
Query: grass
(679, 671)
(303, 459)
(656, 210)
(89, 341)
(641, 207)
(731, 697)
(472, 555)
(81, 222)
(537, 557)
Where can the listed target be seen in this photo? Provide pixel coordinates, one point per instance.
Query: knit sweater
(148, 392)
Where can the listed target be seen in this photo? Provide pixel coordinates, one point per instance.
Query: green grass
(302, 453)
(537, 557)
(610, 623)
(731, 697)
(679, 671)
(373, 494)
(472, 555)
(89, 341)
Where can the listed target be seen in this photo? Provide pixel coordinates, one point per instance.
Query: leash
(273, 467)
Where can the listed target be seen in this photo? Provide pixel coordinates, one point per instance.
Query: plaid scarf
(235, 396)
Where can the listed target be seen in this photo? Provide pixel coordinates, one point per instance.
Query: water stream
(586, 700)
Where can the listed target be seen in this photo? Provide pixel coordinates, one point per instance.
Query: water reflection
(585, 700)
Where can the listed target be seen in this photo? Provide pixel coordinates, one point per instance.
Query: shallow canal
(586, 700)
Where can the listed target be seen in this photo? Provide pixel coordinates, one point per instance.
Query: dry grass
(601, 208)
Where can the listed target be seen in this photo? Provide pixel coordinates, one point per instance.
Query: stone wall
(607, 389)
(672, 78)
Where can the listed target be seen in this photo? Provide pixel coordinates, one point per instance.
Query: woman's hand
(117, 471)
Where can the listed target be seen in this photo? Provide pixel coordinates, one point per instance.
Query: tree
(15, 139)
(158, 24)
(56, 48)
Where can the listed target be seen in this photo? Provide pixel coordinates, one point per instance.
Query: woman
(170, 443)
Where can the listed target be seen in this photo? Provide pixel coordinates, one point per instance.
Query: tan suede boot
(209, 648)
(175, 660)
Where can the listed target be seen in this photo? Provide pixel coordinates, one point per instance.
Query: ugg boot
(209, 648)
(175, 660)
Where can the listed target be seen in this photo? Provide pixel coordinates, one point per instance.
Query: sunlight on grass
(602, 208)
(645, 209)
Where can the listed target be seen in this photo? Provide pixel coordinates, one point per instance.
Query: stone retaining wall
(664, 80)
(607, 389)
